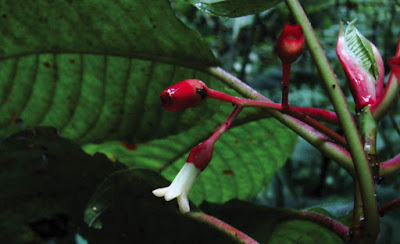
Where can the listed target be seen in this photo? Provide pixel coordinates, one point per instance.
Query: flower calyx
(183, 94)
(290, 43)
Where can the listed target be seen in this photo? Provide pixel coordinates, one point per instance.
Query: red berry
(183, 94)
(290, 43)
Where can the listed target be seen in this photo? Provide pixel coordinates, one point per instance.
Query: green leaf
(361, 49)
(45, 179)
(131, 213)
(233, 8)
(94, 69)
(271, 225)
(244, 161)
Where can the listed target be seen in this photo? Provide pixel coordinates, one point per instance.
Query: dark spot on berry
(47, 65)
(130, 146)
(72, 61)
(202, 92)
(333, 86)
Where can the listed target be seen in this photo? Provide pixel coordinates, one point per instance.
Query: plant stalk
(362, 171)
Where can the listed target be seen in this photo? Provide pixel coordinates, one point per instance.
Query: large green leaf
(233, 8)
(128, 211)
(95, 69)
(245, 158)
(45, 183)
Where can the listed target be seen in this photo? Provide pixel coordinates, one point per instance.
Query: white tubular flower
(180, 186)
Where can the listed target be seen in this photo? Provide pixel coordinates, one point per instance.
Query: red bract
(201, 154)
(290, 43)
(395, 65)
(365, 88)
(183, 95)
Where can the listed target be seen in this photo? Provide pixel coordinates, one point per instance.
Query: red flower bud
(395, 65)
(201, 154)
(183, 94)
(290, 43)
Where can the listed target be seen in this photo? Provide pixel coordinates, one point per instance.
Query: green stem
(368, 130)
(362, 171)
(358, 213)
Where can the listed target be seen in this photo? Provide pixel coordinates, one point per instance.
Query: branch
(340, 229)
(390, 167)
(362, 171)
(279, 107)
(222, 226)
(392, 205)
(318, 140)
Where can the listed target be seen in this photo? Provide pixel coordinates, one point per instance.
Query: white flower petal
(180, 186)
(183, 180)
(160, 192)
(183, 204)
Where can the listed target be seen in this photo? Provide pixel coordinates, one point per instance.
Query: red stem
(340, 229)
(276, 106)
(392, 205)
(285, 84)
(225, 126)
(226, 228)
(319, 114)
(390, 166)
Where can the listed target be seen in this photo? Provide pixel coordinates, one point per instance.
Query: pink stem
(319, 114)
(224, 227)
(340, 229)
(225, 126)
(390, 166)
(275, 106)
(285, 84)
(392, 205)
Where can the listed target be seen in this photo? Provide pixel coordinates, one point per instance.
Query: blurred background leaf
(233, 8)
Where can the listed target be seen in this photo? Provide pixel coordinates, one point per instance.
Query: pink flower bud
(201, 154)
(183, 94)
(290, 43)
(363, 65)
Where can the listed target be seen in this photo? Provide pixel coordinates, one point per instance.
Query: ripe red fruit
(290, 43)
(183, 94)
